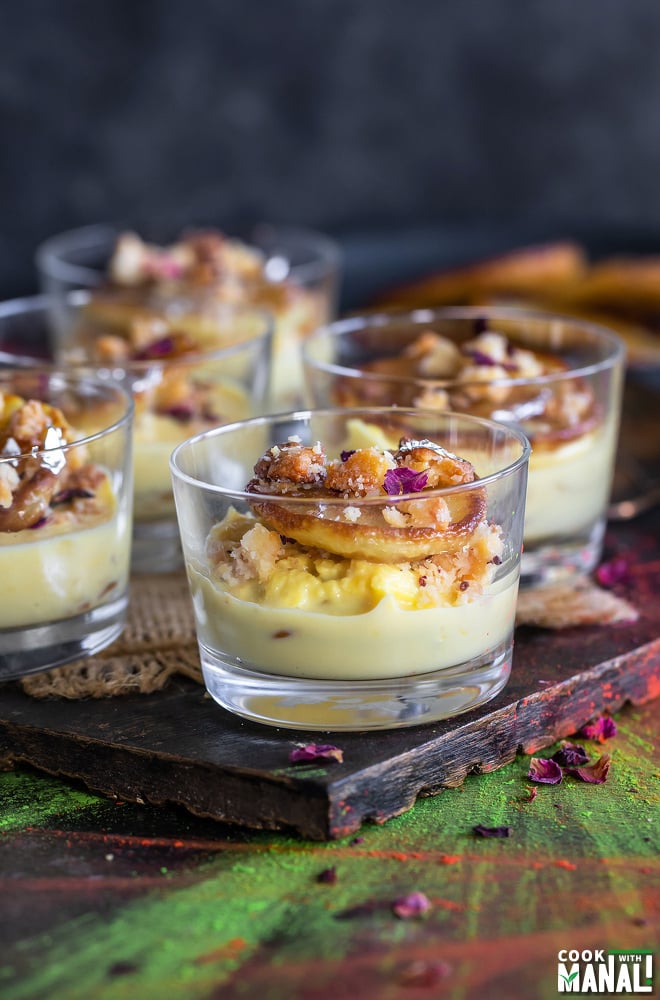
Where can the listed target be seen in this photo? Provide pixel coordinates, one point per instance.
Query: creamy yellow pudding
(64, 544)
(316, 615)
(394, 579)
(568, 486)
(65, 567)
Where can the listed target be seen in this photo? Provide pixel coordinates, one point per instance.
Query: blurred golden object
(622, 292)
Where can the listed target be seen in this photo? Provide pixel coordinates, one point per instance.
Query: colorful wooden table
(107, 900)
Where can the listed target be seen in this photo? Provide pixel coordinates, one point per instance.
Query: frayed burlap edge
(158, 641)
(572, 603)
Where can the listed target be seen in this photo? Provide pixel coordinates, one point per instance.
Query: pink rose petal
(601, 729)
(615, 571)
(595, 774)
(547, 772)
(404, 480)
(412, 905)
(570, 755)
(316, 751)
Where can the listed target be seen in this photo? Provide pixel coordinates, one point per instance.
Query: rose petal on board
(315, 751)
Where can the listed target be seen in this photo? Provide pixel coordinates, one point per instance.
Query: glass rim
(71, 381)
(418, 317)
(48, 255)
(30, 304)
(480, 423)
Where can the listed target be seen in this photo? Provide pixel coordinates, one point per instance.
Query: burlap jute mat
(159, 638)
(158, 641)
(566, 605)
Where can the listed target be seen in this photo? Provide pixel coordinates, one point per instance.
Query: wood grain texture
(178, 746)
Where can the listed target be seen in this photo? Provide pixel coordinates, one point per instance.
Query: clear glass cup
(301, 269)
(24, 332)
(176, 395)
(566, 397)
(65, 516)
(337, 611)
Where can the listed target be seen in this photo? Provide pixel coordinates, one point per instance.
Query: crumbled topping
(9, 481)
(476, 377)
(395, 517)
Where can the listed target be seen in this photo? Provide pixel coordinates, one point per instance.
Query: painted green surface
(244, 914)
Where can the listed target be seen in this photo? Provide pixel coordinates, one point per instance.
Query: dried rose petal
(345, 455)
(316, 751)
(601, 729)
(531, 794)
(570, 755)
(73, 493)
(40, 523)
(595, 773)
(161, 348)
(548, 772)
(412, 905)
(328, 876)
(182, 412)
(615, 571)
(480, 358)
(404, 480)
(492, 831)
(163, 265)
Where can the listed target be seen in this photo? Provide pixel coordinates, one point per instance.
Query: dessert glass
(176, 395)
(293, 273)
(557, 379)
(65, 516)
(300, 631)
(24, 336)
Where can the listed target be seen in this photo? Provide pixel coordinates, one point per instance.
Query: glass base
(156, 547)
(327, 705)
(553, 561)
(33, 648)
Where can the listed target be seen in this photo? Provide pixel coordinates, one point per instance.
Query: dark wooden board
(178, 746)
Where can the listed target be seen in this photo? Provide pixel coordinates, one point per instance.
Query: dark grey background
(365, 118)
